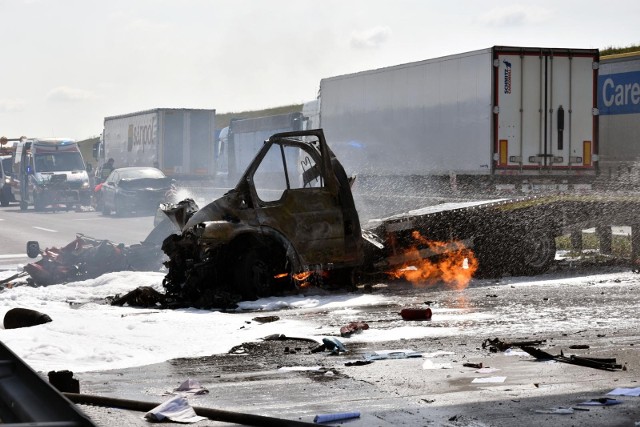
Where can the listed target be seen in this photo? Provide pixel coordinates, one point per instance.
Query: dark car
(134, 189)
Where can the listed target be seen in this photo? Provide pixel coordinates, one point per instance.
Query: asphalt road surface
(589, 311)
(59, 227)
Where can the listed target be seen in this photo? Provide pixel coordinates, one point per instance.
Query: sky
(67, 64)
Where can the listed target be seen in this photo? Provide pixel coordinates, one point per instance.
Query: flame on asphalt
(452, 263)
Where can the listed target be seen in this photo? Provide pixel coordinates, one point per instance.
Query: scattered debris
(143, 296)
(602, 401)
(353, 327)
(87, 258)
(559, 410)
(489, 380)
(429, 364)
(608, 364)
(23, 318)
(265, 319)
(334, 345)
(64, 381)
(175, 409)
(392, 354)
(472, 365)
(416, 313)
(358, 362)
(495, 345)
(191, 387)
(299, 368)
(625, 392)
(579, 347)
(486, 370)
(326, 418)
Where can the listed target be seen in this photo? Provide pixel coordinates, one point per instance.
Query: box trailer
(619, 106)
(178, 141)
(239, 142)
(511, 113)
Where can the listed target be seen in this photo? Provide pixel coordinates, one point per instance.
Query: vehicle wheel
(118, 208)
(491, 256)
(537, 253)
(4, 200)
(105, 209)
(23, 205)
(37, 204)
(254, 274)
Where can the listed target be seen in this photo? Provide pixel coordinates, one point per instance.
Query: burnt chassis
(242, 246)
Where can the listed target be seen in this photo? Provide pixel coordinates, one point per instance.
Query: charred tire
(537, 251)
(255, 271)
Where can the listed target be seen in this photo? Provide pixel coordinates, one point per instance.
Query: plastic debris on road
(176, 409)
(327, 418)
(625, 392)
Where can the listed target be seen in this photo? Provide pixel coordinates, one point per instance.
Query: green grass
(611, 50)
(620, 245)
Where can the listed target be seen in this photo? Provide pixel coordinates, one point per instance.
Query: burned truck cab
(291, 216)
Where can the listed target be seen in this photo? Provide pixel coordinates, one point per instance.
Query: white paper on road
(176, 409)
(489, 380)
(625, 392)
(299, 368)
(428, 364)
(487, 370)
(391, 354)
(438, 353)
(512, 352)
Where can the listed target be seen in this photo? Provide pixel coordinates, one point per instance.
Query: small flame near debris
(300, 278)
(455, 264)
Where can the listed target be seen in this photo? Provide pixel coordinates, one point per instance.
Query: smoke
(12, 105)
(371, 38)
(514, 16)
(69, 94)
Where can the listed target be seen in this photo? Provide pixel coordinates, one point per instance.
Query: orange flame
(455, 264)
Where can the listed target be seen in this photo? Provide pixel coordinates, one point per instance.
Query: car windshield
(141, 173)
(58, 162)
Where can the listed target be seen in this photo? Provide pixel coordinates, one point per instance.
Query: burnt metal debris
(608, 364)
(87, 258)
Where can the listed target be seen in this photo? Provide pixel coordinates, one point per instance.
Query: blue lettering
(619, 93)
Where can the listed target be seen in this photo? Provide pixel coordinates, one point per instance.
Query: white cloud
(514, 15)
(12, 105)
(371, 38)
(69, 94)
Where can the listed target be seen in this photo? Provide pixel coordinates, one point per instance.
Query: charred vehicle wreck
(290, 220)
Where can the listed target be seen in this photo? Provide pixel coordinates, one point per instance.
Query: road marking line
(46, 229)
(9, 256)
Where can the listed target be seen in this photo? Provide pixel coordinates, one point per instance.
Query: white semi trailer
(179, 141)
(512, 117)
(619, 106)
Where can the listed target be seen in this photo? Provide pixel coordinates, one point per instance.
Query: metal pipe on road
(212, 414)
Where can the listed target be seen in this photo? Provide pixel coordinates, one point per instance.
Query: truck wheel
(23, 205)
(492, 259)
(537, 253)
(255, 272)
(4, 199)
(37, 204)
